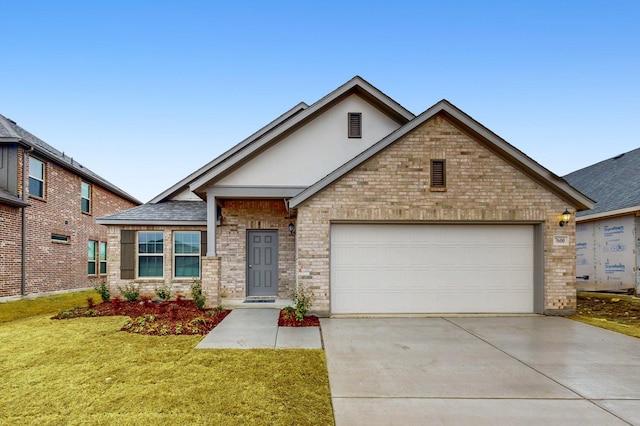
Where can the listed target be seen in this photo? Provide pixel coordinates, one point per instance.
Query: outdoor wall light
(292, 228)
(564, 219)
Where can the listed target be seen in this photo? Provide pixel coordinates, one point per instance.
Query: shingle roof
(166, 213)
(614, 183)
(11, 131)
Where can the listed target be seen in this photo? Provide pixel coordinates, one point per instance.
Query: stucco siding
(314, 150)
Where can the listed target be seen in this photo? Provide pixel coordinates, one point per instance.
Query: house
(374, 209)
(608, 235)
(49, 238)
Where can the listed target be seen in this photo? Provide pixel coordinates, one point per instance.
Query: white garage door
(378, 269)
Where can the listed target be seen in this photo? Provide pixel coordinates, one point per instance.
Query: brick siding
(178, 286)
(394, 186)
(55, 266)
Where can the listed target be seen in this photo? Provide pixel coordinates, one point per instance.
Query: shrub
(90, 303)
(163, 292)
(103, 290)
(130, 292)
(199, 297)
(302, 297)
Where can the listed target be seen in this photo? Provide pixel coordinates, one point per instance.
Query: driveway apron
(481, 370)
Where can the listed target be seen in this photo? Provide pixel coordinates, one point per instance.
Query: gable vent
(438, 176)
(355, 124)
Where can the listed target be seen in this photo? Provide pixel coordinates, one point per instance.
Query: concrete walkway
(258, 328)
(481, 371)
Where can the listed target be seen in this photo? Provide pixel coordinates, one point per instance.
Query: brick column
(211, 266)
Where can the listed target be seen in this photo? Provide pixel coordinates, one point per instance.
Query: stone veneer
(394, 186)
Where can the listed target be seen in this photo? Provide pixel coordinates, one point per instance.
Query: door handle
(250, 266)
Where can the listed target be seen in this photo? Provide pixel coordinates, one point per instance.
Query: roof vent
(618, 156)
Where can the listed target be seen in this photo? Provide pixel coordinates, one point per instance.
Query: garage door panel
(431, 268)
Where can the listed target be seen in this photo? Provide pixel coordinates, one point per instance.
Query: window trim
(352, 132)
(198, 254)
(438, 181)
(43, 180)
(94, 260)
(138, 255)
(82, 197)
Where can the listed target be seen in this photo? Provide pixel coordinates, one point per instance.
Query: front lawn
(86, 371)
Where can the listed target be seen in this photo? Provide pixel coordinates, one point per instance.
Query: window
(355, 124)
(91, 256)
(85, 203)
(103, 258)
(57, 238)
(438, 174)
(150, 253)
(36, 177)
(187, 254)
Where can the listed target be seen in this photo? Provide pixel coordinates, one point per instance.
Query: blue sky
(145, 92)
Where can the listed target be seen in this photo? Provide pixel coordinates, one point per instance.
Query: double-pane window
(85, 202)
(36, 177)
(150, 253)
(187, 254)
(91, 255)
(103, 258)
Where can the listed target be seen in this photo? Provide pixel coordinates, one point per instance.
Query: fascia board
(611, 213)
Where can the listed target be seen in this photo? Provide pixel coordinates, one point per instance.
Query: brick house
(49, 238)
(374, 209)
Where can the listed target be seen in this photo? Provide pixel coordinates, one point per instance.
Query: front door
(262, 263)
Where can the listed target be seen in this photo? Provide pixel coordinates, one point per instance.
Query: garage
(435, 268)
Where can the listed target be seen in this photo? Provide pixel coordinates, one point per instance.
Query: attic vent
(438, 176)
(355, 125)
(618, 156)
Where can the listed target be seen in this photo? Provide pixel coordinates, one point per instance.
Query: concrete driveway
(478, 370)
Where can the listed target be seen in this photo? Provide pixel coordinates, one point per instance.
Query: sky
(146, 92)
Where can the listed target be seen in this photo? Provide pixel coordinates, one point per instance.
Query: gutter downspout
(23, 260)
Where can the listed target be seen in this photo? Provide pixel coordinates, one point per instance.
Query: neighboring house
(608, 235)
(49, 239)
(377, 211)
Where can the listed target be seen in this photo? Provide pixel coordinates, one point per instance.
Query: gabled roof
(613, 183)
(470, 126)
(281, 127)
(10, 132)
(165, 213)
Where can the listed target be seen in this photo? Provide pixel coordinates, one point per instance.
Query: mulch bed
(289, 320)
(154, 318)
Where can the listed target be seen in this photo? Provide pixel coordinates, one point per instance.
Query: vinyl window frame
(33, 161)
(92, 259)
(154, 254)
(195, 254)
(86, 198)
(102, 256)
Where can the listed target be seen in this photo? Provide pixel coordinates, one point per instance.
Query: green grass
(25, 308)
(85, 372)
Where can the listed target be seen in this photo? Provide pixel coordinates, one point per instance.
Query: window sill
(35, 197)
(436, 189)
(86, 213)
